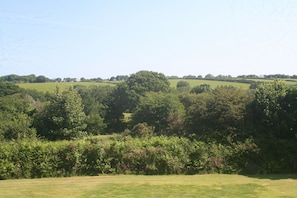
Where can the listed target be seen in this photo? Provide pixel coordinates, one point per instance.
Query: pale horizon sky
(95, 38)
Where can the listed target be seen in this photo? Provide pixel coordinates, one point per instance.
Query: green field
(288, 81)
(212, 83)
(51, 86)
(153, 186)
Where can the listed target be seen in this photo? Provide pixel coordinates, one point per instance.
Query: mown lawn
(213, 185)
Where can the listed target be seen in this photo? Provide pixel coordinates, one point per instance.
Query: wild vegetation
(144, 125)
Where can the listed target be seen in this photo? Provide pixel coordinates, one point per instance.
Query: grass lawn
(213, 185)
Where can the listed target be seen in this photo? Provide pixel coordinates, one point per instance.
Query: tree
(209, 76)
(183, 86)
(8, 89)
(163, 111)
(94, 99)
(142, 130)
(269, 109)
(15, 118)
(121, 77)
(63, 118)
(42, 79)
(218, 113)
(289, 107)
(189, 77)
(121, 100)
(148, 81)
(127, 95)
(201, 88)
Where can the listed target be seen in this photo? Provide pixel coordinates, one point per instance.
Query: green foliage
(63, 118)
(147, 81)
(144, 105)
(268, 109)
(95, 99)
(274, 156)
(127, 95)
(24, 79)
(162, 111)
(201, 88)
(120, 102)
(15, 120)
(183, 86)
(8, 89)
(218, 113)
(289, 106)
(268, 97)
(154, 155)
(142, 130)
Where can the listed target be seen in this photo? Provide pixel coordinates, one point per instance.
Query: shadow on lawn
(274, 176)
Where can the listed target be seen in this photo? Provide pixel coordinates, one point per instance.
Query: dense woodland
(143, 126)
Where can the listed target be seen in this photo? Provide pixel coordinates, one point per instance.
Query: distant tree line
(24, 79)
(241, 78)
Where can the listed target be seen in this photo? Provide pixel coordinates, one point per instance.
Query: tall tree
(163, 111)
(148, 81)
(183, 86)
(127, 95)
(290, 114)
(201, 88)
(94, 99)
(218, 113)
(63, 118)
(273, 111)
(15, 118)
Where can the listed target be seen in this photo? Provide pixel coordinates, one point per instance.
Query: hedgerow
(156, 155)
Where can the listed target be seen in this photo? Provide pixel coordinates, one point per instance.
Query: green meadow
(51, 86)
(213, 185)
(212, 83)
(288, 81)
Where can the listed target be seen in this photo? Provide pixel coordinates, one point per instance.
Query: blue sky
(94, 38)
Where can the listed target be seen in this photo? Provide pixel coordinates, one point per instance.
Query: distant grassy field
(51, 87)
(212, 83)
(153, 186)
(288, 81)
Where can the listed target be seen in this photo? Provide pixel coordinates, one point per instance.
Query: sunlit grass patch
(213, 185)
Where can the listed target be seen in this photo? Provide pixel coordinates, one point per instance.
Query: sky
(96, 38)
